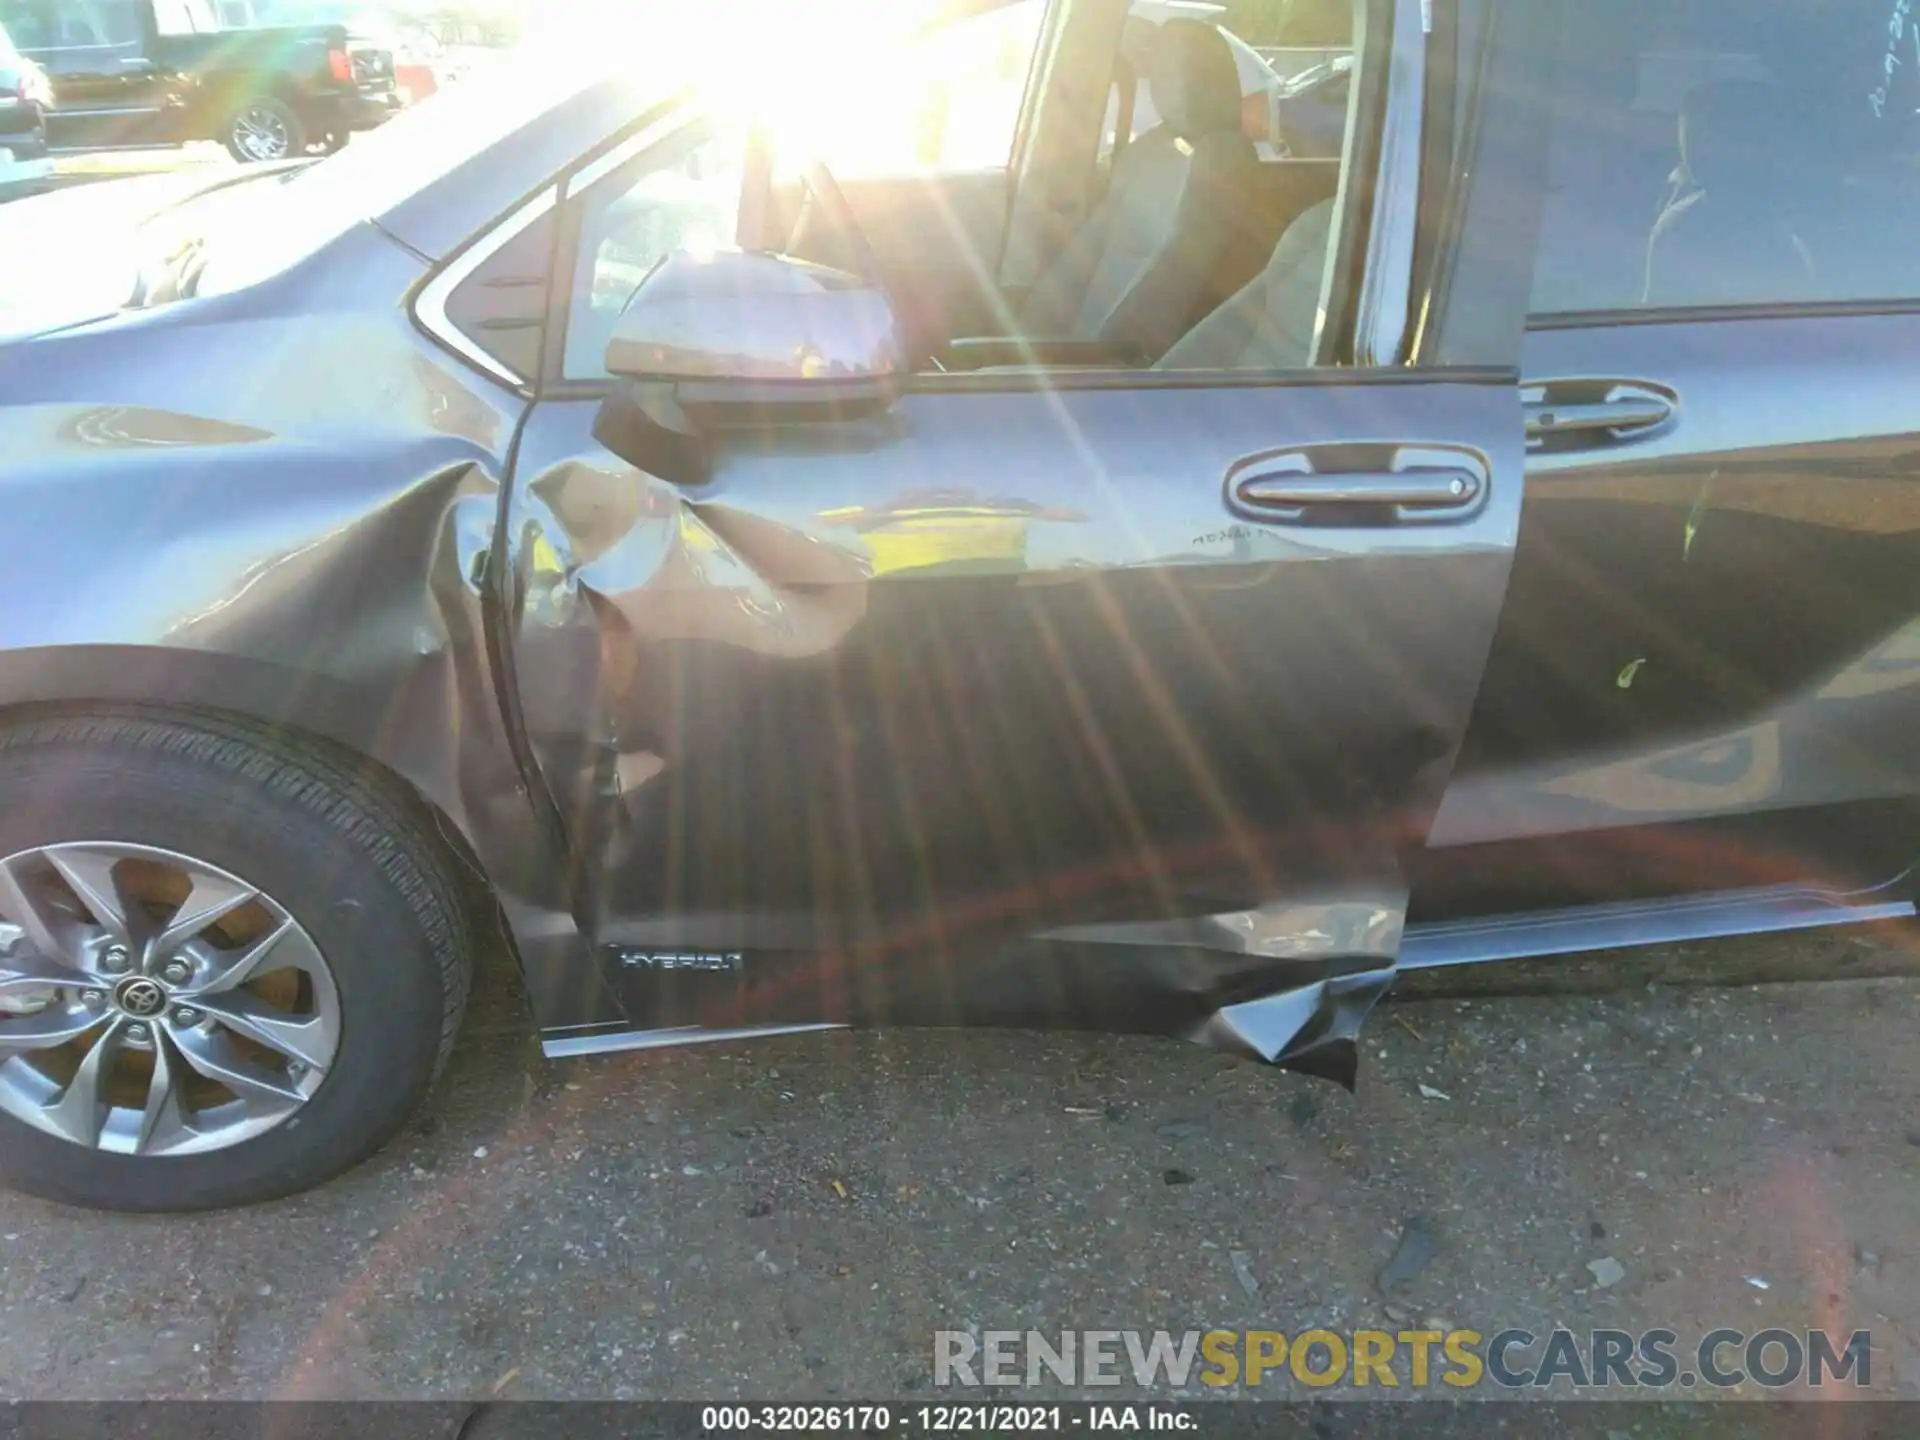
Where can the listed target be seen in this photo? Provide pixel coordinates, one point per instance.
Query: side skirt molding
(1313, 1026)
(566, 1044)
(1766, 910)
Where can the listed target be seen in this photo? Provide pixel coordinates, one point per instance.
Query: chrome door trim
(638, 143)
(1763, 910)
(564, 1046)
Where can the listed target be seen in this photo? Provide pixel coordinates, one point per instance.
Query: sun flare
(815, 76)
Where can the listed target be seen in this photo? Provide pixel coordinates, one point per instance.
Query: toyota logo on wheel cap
(140, 996)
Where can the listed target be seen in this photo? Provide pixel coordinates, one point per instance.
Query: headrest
(1195, 84)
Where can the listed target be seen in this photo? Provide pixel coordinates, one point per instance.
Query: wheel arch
(302, 707)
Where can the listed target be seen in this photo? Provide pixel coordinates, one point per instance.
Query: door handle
(1582, 414)
(1361, 484)
(1425, 487)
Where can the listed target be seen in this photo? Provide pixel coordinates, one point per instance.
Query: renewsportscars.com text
(1392, 1359)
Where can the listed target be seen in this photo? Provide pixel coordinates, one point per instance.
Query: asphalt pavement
(797, 1218)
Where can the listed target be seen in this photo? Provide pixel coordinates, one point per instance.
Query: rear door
(1706, 669)
(1092, 698)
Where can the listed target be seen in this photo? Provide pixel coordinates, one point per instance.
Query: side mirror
(743, 341)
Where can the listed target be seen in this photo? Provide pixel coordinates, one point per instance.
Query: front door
(1095, 698)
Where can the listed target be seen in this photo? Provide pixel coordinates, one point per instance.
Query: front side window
(102, 22)
(948, 103)
(1251, 109)
(1293, 78)
(1197, 257)
(1726, 154)
(682, 195)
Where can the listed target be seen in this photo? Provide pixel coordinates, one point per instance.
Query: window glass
(184, 17)
(72, 24)
(1732, 152)
(950, 103)
(1293, 75)
(1197, 257)
(685, 195)
(100, 22)
(502, 306)
(1242, 131)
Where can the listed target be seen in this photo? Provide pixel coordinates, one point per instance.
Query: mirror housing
(737, 340)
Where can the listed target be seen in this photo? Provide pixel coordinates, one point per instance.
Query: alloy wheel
(262, 134)
(154, 1004)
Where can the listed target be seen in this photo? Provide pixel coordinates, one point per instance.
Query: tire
(264, 128)
(346, 861)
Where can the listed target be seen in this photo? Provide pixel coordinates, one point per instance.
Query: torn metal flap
(1313, 1029)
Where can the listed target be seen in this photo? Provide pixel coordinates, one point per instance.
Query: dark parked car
(25, 98)
(132, 73)
(781, 588)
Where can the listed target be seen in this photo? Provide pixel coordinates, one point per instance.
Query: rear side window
(502, 305)
(1732, 153)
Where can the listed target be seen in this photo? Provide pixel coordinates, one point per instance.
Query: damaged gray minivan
(981, 551)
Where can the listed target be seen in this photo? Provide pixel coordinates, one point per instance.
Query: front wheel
(229, 968)
(265, 129)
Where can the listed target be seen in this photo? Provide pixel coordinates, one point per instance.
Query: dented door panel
(874, 724)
